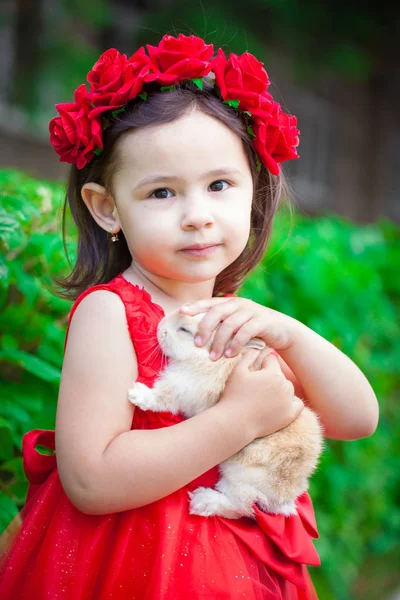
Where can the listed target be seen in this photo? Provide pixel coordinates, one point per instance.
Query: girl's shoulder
(141, 314)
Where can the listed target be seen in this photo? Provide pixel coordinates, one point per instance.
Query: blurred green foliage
(32, 322)
(339, 278)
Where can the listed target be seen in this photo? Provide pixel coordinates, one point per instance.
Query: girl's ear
(101, 206)
(256, 343)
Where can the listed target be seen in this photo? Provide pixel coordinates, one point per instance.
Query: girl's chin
(191, 270)
(201, 271)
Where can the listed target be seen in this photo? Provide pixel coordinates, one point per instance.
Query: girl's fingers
(211, 319)
(260, 363)
(298, 406)
(249, 358)
(271, 362)
(251, 328)
(227, 329)
(273, 334)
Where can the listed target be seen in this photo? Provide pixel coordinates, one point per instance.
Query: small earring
(114, 237)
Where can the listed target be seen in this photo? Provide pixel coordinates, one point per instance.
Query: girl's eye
(219, 185)
(185, 330)
(161, 193)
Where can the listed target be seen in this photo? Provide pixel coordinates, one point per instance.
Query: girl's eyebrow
(160, 178)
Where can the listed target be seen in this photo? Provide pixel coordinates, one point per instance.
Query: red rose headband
(240, 81)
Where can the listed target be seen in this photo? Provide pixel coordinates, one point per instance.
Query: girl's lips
(200, 252)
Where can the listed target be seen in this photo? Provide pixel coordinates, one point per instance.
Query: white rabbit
(271, 471)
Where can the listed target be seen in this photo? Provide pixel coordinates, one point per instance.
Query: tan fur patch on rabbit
(271, 471)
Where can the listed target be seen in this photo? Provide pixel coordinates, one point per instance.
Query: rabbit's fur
(271, 471)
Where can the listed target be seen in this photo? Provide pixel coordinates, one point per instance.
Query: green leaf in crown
(233, 103)
(118, 111)
(198, 82)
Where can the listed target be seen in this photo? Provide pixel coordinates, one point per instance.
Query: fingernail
(228, 352)
(185, 307)
(197, 339)
(213, 355)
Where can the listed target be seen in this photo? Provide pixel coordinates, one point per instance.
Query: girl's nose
(196, 213)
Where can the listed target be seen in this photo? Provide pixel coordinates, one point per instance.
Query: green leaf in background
(4, 271)
(6, 445)
(8, 510)
(31, 363)
(8, 225)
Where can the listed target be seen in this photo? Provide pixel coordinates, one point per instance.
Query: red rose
(243, 78)
(115, 79)
(177, 59)
(276, 139)
(75, 134)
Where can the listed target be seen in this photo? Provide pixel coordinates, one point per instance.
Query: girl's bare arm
(330, 383)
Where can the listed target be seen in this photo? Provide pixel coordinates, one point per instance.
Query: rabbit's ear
(256, 343)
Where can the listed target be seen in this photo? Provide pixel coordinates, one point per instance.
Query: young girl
(177, 155)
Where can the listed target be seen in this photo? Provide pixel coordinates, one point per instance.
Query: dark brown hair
(99, 259)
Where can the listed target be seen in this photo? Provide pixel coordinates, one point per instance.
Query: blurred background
(332, 63)
(333, 264)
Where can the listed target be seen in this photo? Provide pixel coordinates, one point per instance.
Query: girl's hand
(236, 321)
(262, 398)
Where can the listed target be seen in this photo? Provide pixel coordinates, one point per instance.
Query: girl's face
(183, 183)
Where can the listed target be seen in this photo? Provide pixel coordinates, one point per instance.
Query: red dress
(158, 551)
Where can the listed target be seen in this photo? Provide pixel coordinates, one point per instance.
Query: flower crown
(115, 80)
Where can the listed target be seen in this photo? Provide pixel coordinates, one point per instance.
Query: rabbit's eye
(185, 330)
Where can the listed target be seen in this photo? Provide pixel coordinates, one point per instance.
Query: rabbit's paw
(288, 508)
(207, 502)
(142, 396)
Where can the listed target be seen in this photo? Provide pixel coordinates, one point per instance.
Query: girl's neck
(170, 297)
